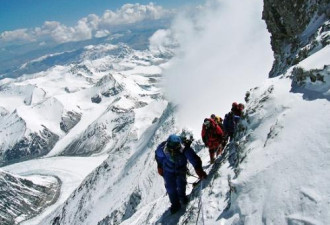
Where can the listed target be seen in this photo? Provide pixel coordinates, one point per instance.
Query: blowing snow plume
(224, 51)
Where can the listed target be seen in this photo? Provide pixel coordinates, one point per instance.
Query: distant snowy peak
(23, 198)
(105, 85)
(103, 56)
(93, 52)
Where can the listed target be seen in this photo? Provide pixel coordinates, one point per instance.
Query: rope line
(200, 205)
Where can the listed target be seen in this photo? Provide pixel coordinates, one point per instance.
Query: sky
(61, 21)
(19, 14)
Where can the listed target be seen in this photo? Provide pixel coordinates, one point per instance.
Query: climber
(237, 109)
(232, 118)
(172, 158)
(212, 136)
(219, 121)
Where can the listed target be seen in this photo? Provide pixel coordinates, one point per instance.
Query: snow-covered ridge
(283, 152)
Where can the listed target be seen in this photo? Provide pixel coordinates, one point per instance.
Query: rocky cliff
(298, 29)
(22, 198)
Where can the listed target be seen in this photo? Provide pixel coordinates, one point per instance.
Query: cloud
(16, 35)
(132, 13)
(101, 33)
(224, 51)
(162, 41)
(87, 27)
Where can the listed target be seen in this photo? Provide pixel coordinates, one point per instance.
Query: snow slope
(284, 173)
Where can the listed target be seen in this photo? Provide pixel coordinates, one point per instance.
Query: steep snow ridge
(12, 129)
(284, 173)
(144, 116)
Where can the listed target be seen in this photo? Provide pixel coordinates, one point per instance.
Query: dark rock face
(96, 99)
(3, 111)
(312, 84)
(300, 76)
(35, 145)
(112, 91)
(23, 199)
(109, 86)
(69, 121)
(294, 26)
(79, 69)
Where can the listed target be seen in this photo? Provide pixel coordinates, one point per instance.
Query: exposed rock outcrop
(298, 29)
(69, 120)
(21, 199)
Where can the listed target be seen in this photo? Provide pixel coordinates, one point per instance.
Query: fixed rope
(200, 205)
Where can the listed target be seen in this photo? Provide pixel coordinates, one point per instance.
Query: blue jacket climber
(172, 158)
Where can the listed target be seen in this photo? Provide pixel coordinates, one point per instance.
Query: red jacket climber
(212, 137)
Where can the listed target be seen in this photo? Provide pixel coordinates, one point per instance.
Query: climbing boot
(175, 208)
(185, 200)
